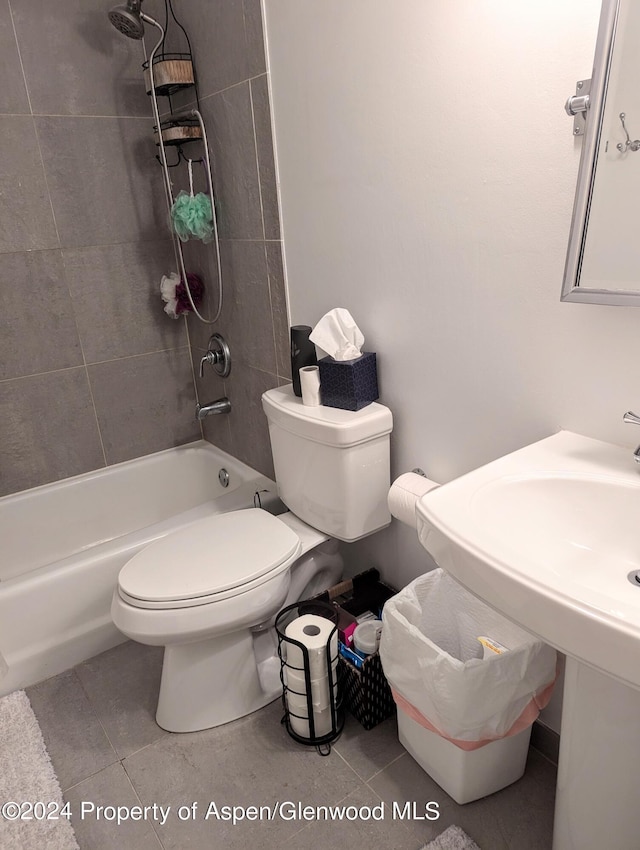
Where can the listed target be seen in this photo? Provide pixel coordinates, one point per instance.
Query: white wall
(427, 172)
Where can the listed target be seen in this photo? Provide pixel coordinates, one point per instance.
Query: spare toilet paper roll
(404, 493)
(297, 689)
(299, 722)
(313, 633)
(310, 385)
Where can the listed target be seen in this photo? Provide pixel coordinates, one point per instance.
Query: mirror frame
(571, 289)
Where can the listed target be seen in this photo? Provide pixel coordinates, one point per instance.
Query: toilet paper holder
(313, 710)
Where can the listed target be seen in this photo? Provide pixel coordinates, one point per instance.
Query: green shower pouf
(192, 216)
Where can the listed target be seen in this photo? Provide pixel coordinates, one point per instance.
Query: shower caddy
(165, 75)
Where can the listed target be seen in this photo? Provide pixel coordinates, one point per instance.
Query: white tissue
(404, 494)
(338, 335)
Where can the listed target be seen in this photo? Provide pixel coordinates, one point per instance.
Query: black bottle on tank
(303, 353)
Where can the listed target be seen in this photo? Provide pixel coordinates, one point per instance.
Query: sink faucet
(221, 405)
(635, 420)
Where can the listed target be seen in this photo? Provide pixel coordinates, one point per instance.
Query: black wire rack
(336, 711)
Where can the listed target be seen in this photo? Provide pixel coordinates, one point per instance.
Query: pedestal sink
(550, 536)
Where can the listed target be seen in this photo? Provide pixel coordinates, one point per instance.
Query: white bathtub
(62, 546)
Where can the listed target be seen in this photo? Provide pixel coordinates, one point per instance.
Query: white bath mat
(452, 839)
(27, 777)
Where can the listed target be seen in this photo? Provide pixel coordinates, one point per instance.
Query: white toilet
(209, 592)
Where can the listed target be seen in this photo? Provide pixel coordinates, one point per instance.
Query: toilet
(209, 592)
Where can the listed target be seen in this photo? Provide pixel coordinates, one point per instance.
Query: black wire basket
(335, 710)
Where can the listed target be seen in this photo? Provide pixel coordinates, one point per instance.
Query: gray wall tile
(104, 181)
(216, 429)
(75, 62)
(266, 162)
(226, 39)
(279, 308)
(26, 220)
(229, 123)
(246, 314)
(38, 327)
(49, 429)
(106, 189)
(254, 38)
(201, 260)
(13, 94)
(116, 297)
(144, 404)
(249, 431)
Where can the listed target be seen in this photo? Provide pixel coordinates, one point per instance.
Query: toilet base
(208, 683)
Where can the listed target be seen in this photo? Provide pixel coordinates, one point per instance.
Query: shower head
(128, 18)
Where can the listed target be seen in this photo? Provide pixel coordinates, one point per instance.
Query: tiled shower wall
(91, 370)
(228, 46)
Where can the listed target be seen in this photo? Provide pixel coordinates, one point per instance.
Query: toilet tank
(331, 465)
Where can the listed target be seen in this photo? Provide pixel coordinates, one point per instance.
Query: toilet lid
(213, 555)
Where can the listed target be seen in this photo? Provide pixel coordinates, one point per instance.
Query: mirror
(603, 258)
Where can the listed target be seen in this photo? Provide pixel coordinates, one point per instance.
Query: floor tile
(122, 685)
(95, 828)
(252, 762)
(367, 823)
(74, 738)
(369, 752)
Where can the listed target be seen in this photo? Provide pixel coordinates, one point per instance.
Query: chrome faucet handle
(218, 355)
(208, 358)
(635, 420)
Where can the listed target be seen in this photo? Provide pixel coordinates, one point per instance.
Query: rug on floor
(27, 776)
(452, 839)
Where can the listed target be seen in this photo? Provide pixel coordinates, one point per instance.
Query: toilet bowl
(209, 592)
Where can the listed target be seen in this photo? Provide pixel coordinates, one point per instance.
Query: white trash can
(465, 775)
(460, 671)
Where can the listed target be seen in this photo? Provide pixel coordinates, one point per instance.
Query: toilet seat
(212, 559)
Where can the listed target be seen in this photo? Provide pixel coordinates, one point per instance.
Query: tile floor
(97, 722)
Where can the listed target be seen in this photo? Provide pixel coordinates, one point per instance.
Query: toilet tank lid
(328, 425)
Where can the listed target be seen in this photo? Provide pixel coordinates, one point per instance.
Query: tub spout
(221, 405)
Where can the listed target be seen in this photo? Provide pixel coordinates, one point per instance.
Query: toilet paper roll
(313, 633)
(404, 493)
(297, 689)
(321, 719)
(310, 385)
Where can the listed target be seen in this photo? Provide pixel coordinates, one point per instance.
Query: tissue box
(349, 384)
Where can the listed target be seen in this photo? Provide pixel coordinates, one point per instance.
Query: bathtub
(62, 546)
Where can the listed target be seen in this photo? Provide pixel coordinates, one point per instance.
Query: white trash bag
(432, 658)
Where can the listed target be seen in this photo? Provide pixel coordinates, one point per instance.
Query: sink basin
(548, 535)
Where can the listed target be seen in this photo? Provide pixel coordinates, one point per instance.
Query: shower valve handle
(218, 355)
